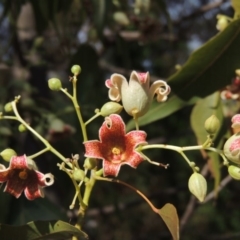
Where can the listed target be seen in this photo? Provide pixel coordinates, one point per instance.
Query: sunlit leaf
(211, 67)
(41, 230)
(160, 110)
(168, 213)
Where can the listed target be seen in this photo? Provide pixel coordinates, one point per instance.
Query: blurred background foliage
(40, 39)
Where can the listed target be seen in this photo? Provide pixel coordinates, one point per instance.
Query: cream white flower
(137, 94)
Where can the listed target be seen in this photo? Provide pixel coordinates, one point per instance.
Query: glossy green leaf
(211, 67)
(160, 110)
(41, 230)
(168, 213)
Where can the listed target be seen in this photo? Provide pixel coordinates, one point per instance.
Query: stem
(39, 153)
(73, 98)
(43, 140)
(92, 118)
(131, 187)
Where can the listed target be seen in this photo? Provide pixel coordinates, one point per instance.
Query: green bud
(212, 124)
(234, 172)
(197, 185)
(8, 107)
(76, 70)
(54, 84)
(110, 108)
(90, 163)
(78, 175)
(121, 18)
(22, 128)
(7, 154)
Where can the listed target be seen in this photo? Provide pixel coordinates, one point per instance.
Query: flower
(136, 95)
(116, 147)
(22, 175)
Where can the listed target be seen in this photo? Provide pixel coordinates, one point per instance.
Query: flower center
(23, 174)
(116, 151)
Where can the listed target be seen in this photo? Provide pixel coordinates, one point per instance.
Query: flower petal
(161, 88)
(3, 173)
(134, 160)
(33, 191)
(18, 162)
(45, 179)
(111, 169)
(141, 77)
(135, 138)
(93, 149)
(112, 130)
(14, 186)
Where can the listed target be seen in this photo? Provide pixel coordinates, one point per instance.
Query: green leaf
(41, 230)
(168, 213)
(160, 110)
(236, 6)
(203, 110)
(211, 67)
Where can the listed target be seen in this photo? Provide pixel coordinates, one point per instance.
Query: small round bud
(222, 23)
(197, 185)
(121, 18)
(90, 163)
(8, 107)
(78, 175)
(54, 84)
(7, 154)
(237, 71)
(22, 128)
(110, 108)
(234, 172)
(76, 70)
(212, 124)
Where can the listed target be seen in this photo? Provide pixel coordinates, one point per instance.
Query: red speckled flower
(22, 175)
(116, 147)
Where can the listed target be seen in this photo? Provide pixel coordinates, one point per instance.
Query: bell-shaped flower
(137, 94)
(116, 147)
(21, 175)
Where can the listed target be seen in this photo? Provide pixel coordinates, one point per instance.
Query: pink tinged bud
(231, 148)
(236, 121)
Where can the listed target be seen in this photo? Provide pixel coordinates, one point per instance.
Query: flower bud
(234, 172)
(231, 148)
(121, 18)
(76, 69)
(7, 154)
(237, 71)
(54, 84)
(197, 185)
(222, 23)
(8, 107)
(212, 124)
(78, 175)
(90, 163)
(110, 108)
(22, 128)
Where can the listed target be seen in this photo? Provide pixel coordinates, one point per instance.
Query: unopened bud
(231, 148)
(222, 23)
(22, 128)
(8, 107)
(234, 172)
(76, 69)
(110, 108)
(121, 18)
(197, 185)
(78, 175)
(7, 154)
(90, 163)
(237, 71)
(55, 84)
(212, 124)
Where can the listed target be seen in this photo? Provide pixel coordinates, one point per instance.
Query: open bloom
(22, 175)
(115, 147)
(136, 95)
